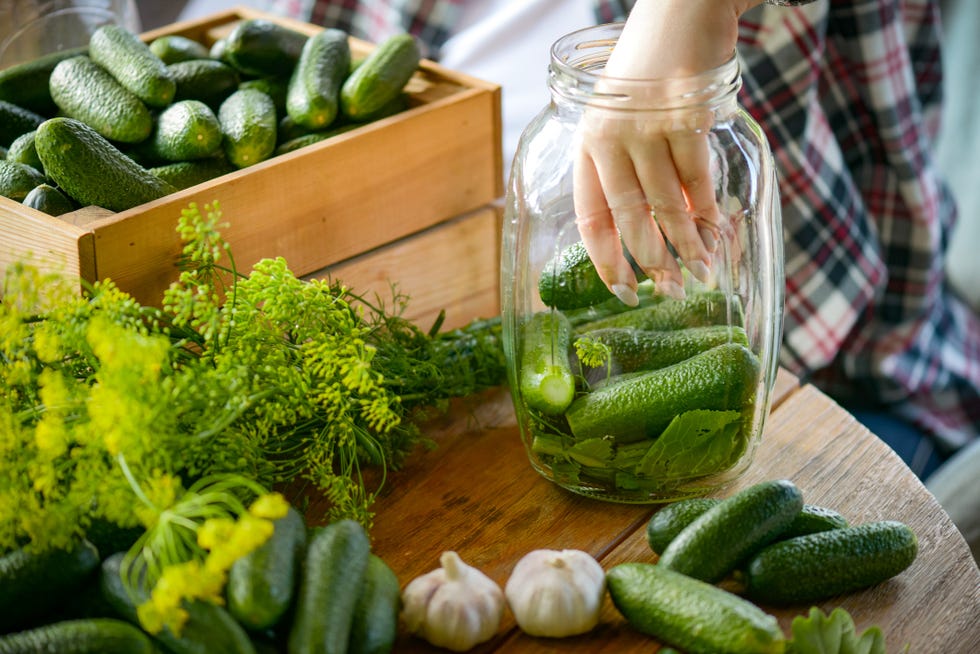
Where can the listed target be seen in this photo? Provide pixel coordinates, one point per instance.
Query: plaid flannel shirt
(848, 93)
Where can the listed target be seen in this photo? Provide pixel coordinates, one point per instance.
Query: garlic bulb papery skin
(456, 606)
(556, 593)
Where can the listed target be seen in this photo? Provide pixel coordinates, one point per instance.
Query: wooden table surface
(476, 493)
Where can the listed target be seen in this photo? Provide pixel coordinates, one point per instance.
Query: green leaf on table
(699, 442)
(819, 633)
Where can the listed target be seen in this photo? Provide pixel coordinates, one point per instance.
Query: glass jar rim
(577, 59)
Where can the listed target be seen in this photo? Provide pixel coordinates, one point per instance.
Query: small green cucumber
(813, 519)
(207, 80)
(819, 566)
(84, 636)
(697, 310)
(26, 84)
(670, 520)
(16, 120)
(248, 123)
(275, 87)
(333, 576)
(261, 584)
(722, 379)
(261, 47)
(375, 624)
(313, 96)
(172, 48)
(723, 536)
(86, 91)
(17, 179)
(22, 150)
(186, 130)
(570, 281)
(380, 78)
(632, 349)
(91, 170)
(546, 383)
(32, 582)
(690, 614)
(49, 200)
(133, 64)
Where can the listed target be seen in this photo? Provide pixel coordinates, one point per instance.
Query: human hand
(643, 178)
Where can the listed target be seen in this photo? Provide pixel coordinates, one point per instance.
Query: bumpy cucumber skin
(375, 624)
(698, 310)
(207, 80)
(380, 78)
(91, 170)
(570, 281)
(690, 614)
(22, 150)
(248, 123)
(813, 519)
(18, 179)
(33, 583)
(87, 636)
(186, 130)
(173, 48)
(633, 349)
(722, 378)
(261, 584)
(49, 200)
(209, 627)
(720, 538)
(16, 120)
(819, 566)
(313, 96)
(261, 47)
(669, 521)
(86, 91)
(546, 383)
(133, 64)
(336, 560)
(26, 84)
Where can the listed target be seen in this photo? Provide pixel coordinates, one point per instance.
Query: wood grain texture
(477, 494)
(453, 266)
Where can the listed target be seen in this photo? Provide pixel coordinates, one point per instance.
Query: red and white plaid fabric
(848, 93)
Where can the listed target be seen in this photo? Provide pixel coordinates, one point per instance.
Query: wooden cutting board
(477, 494)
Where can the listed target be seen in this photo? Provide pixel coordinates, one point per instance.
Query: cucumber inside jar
(657, 397)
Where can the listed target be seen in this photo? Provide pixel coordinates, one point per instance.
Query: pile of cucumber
(123, 122)
(640, 399)
(770, 546)
(321, 590)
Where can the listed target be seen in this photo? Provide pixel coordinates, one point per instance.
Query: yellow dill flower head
(50, 437)
(47, 344)
(271, 506)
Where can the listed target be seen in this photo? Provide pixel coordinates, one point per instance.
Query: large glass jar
(666, 399)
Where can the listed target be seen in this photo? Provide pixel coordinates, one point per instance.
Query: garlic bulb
(455, 606)
(556, 593)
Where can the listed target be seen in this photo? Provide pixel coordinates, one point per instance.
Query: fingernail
(708, 237)
(700, 270)
(670, 288)
(626, 294)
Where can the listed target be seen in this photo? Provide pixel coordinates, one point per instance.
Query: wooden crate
(453, 266)
(326, 203)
